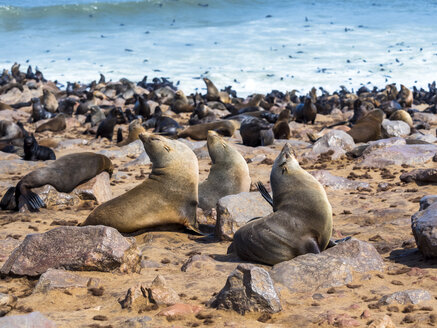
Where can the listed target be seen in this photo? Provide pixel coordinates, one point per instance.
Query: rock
(134, 149)
(422, 137)
(180, 310)
(54, 279)
(338, 141)
(384, 322)
(398, 155)
(193, 145)
(331, 268)
(88, 248)
(7, 246)
(410, 296)
(257, 159)
(33, 320)
(424, 226)
(7, 156)
(334, 182)
(138, 322)
(426, 201)
(98, 189)
(425, 117)
(18, 166)
(382, 143)
(198, 262)
(234, 211)
(160, 294)
(395, 129)
(248, 288)
(420, 176)
(143, 159)
(70, 143)
(7, 303)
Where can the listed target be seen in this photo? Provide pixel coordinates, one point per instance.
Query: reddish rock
(180, 310)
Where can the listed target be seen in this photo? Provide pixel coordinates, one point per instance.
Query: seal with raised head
(229, 173)
(405, 97)
(200, 131)
(55, 124)
(307, 112)
(281, 129)
(34, 152)
(135, 129)
(212, 93)
(168, 196)
(64, 175)
(368, 128)
(181, 103)
(301, 221)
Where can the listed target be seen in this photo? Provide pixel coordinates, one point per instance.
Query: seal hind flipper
(33, 201)
(263, 191)
(311, 246)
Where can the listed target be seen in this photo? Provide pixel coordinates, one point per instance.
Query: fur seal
(161, 124)
(301, 221)
(168, 196)
(200, 131)
(307, 112)
(401, 115)
(64, 175)
(38, 112)
(10, 130)
(106, 127)
(35, 152)
(256, 132)
(135, 129)
(49, 101)
(181, 103)
(212, 93)
(202, 114)
(142, 108)
(281, 129)
(405, 97)
(229, 173)
(55, 124)
(368, 128)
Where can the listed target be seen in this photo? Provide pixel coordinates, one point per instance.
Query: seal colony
(175, 181)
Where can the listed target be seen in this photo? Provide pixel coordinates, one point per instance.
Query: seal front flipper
(263, 191)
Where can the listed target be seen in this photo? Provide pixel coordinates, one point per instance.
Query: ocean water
(253, 45)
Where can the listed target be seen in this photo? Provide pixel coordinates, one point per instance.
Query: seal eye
(167, 148)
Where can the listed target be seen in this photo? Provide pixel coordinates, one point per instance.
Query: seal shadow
(412, 257)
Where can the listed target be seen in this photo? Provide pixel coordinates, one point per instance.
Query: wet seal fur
(200, 131)
(64, 175)
(368, 128)
(301, 221)
(168, 196)
(229, 173)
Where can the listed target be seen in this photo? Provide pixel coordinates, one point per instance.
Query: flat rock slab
(411, 296)
(424, 226)
(97, 248)
(331, 268)
(398, 155)
(334, 182)
(14, 166)
(134, 149)
(426, 117)
(54, 279)
(248, 288)
(31, 320)
(143, 159)
(420, 176)
(234, 211)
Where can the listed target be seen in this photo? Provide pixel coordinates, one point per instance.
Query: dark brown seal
(368, 128)
(55, 124)
(281, 129)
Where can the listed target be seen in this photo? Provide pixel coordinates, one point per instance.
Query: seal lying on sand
(229, 173)
(200, 131)
(301, 221)
(55, 124)
(168, 196)
(64, 174)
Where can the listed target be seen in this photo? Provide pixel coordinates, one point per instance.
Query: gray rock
(424, 225)
(7, 246)
(395, 129)
(70, 143)
(331, 268)
(423, 137)
(14, 166)
(31, 320)
(134, 149)
(257, 159)
(336, 140)
(410, 296)
(138, 322)
(382, 143)
(54, 279)
(234, 211)
(143, 159)
(420, 176)
(426, 201)
(334, 182)
(159, 293)
(248, 288)
(88, 248)
(425, 117)
(198, 262)
(193, 145)
(7, 303)
(398, 155)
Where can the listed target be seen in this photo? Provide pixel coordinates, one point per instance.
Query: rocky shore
(383, 193)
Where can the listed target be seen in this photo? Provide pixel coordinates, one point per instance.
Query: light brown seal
(405, 97)
(368, 128)
(135, 129)
(212, 93)
(168, 196)
(55, 124)
(49, 101)
(281, 129)
(401, 115)
(229, 173)
(64, 174)
(301, 221)
(200, 131)
(181, 103)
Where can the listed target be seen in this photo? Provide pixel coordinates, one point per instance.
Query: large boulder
(88, 248)
(248, 288)
(424, 226)
(336, 140)
(234, 211)
(395, 129)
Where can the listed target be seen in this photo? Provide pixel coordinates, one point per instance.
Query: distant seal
(401, 115)
(55, 124)
(64, 175)
(307, 112)
(200, 131)
(168, 196)
(49, 101)
(281, 129)
(368, 128)
(181, 103)
(202, 114)
(405, 97)
(256, 132)
(161, 124)
(9, 130)
(212, 93)
(229, 173)
(301, 221)
(135, 129)
(106, 127)
(38, 112)
(142, 108)
(359, 111)
(35, 152)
